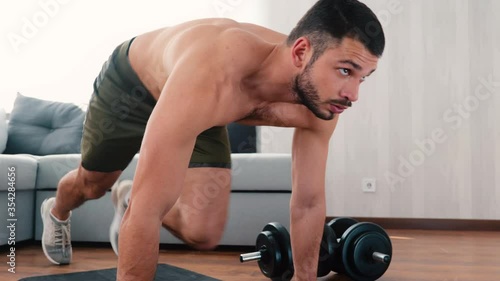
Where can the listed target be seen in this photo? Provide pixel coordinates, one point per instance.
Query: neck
(272, 81)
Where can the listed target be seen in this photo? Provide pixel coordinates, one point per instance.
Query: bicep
(178, 117)
(171, 132)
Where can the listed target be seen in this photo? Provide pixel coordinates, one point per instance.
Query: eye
(363, 79)
(345, 71)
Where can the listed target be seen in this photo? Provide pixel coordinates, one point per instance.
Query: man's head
(335, 46)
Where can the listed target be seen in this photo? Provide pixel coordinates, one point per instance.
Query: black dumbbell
(329, 246)
(274, 253)
(365, 249)
(339, 226)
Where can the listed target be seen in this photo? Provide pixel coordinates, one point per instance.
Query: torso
(154, 56)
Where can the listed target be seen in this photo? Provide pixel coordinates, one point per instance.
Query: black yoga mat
(164, 272)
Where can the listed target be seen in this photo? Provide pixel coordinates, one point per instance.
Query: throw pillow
(41, 127)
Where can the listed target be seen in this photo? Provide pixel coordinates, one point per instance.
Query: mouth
(336, 108)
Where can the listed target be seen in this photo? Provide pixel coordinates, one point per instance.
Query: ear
(301, 50)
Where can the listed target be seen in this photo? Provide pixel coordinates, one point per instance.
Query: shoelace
(62, 237)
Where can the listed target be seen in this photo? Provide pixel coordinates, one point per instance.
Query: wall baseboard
(433, 224)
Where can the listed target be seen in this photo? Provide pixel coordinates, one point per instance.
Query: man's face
(330, 84)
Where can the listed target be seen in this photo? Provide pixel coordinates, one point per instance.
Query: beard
(307, 94)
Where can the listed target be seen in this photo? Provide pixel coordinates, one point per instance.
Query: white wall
(430, 158)
(53, 49)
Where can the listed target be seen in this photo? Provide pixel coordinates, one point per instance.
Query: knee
(204, 242)
(96, 184)
(95, 190)
(202, 238)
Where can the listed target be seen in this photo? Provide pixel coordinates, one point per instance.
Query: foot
(56, 237)
(119, 196)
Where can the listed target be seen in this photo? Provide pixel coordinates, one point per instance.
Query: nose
(350, 91)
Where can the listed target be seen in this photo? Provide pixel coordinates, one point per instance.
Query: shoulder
(220, 49)
(241, 50)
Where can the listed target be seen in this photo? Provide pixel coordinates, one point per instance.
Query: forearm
(138, 246)
(306, 231)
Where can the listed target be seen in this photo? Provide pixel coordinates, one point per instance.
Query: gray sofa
(260, 193)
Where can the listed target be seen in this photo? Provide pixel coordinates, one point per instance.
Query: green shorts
(116, 119)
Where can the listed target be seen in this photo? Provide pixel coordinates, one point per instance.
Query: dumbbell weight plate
(326, 251)
(282, 237)
(339, 226)
(358, 244)
(271, 258)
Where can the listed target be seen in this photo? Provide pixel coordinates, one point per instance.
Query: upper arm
(309, 156)
(184, 109)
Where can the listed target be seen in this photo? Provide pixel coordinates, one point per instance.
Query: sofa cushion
(250, 171)
(25, 171)
(261, 172)
(3, 130)
(42, 127)
(52, 168)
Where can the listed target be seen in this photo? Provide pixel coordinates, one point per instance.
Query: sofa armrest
(25, 171)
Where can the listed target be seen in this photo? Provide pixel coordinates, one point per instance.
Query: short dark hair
(330, 21)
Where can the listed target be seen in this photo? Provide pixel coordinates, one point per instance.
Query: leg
(199, 215)
(78, 186)
(152, 198)
(196, 214)
(114, 126)
(73, 190)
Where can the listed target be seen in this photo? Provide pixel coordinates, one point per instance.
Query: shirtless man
(178, 87)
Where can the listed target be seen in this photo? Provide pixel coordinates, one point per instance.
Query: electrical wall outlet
(368, 185)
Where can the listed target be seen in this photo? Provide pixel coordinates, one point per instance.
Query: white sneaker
(56, 237)
(119, 196)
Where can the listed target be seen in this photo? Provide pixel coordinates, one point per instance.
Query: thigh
(208, 180)
(201, 210)
(207, 185)
(205, 197)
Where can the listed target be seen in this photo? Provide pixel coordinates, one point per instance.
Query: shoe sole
(43, 235)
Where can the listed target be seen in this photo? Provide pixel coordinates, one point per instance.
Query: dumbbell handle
(379, 257)
(254, 256)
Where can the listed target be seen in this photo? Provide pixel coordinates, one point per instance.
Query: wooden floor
(418, 255)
